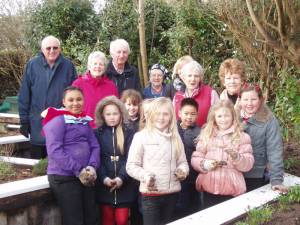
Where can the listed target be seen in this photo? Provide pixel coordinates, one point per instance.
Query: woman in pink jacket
(94, 84)
(223, 152)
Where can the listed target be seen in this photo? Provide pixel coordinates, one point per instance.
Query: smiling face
(51, 49)
(192, 80)
(120, 55)
(96, 67)
(232, 83)
(73, 101)
(188, 115)
(162, 119)
(111, 115)
(223, 118)
(156, 77)
(250, 102)
(131, 108)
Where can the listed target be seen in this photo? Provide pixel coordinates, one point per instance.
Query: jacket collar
(111, 68)
(216, 132)
(45, 63)
(263, 115)
(165, 134)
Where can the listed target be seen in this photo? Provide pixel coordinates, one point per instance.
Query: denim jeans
(158, 210)
(76, 202)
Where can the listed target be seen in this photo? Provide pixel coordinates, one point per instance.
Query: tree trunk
(143, 51)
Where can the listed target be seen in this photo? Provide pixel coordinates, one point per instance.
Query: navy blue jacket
(127, 194)
(147, 93)
(188, 137)
(129, 79)
(41, 88)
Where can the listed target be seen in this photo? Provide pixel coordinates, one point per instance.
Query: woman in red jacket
(192, 74)
(94, 84)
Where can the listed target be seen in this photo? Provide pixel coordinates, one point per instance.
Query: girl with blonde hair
(157, 159)
(116, 191)
(222, 154)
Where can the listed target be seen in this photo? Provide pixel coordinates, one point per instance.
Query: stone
(3, 219)
(20, 218)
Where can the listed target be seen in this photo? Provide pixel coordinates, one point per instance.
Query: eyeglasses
(54, 48)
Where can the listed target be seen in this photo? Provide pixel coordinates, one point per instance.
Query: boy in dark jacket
(189, 198)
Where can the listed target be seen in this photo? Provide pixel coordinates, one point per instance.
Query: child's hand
(281, 188)
(83, 177)
(108, 182)
(233, 154)
(209, 164)
(117, 184)
(150, 182)
(180, 175)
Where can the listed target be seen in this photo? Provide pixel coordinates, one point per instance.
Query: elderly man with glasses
(44, 80)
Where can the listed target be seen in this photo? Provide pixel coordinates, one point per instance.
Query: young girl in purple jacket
(73, 157)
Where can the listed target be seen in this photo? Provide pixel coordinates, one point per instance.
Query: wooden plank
(10, 115)
(234, 208)
(23, 186)
(20, 161)
(9, 118)
(26, 199)
(13, 126)
(13, 139)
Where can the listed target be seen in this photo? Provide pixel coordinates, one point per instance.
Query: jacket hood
(264, 114)
(110, 100)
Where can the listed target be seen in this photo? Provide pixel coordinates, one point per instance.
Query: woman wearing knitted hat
(157, 87)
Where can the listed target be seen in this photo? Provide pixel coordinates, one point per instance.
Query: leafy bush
(41, 167)
(287, 102)
(6, 170)
(74, 22)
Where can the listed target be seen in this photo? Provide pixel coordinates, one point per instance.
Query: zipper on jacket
(170, 164)
(115, 163)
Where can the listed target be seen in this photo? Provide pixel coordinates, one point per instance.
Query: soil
(292, 150)
(21, 173)
(290, 216)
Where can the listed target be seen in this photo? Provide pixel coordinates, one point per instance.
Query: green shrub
(258, 216)
(287, 102)
(41, 167)
(6, 170)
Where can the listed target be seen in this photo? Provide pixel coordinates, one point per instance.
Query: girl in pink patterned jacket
(222, 154)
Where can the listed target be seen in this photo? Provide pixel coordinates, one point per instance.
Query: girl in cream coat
(157, 159)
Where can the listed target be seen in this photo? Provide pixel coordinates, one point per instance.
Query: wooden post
(143, 42)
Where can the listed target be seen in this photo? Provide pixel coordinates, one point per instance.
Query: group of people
(148, 156)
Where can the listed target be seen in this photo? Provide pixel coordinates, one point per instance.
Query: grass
(263, 215)
(6, 170)
(41, 167)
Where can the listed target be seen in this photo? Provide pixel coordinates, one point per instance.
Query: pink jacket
(94, 89)
(228, 179)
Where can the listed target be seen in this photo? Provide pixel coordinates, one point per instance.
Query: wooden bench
(232, 209)
(13, 139)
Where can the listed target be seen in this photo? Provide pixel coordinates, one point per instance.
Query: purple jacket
(70, 147)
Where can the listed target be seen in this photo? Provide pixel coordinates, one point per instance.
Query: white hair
(114, 45)
(46, 39)
(97, 55)
(192, 67)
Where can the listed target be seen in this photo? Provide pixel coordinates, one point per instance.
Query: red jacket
(202, 96)
(94, 89)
